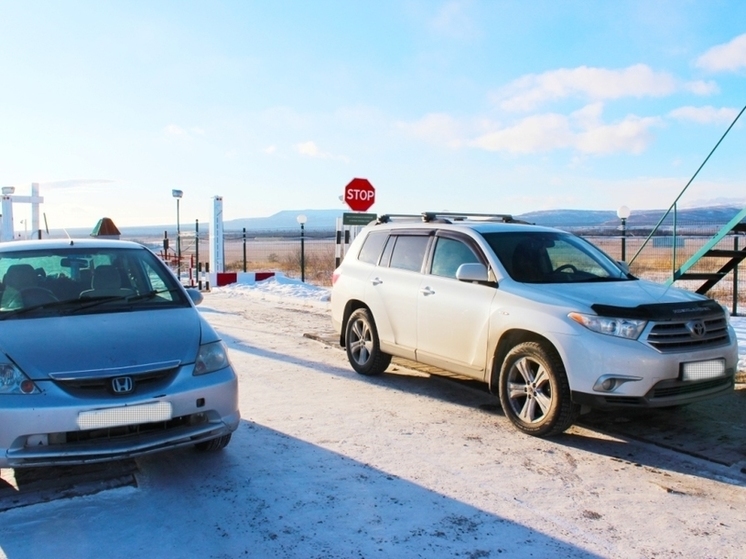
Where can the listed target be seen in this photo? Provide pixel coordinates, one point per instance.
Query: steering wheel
(569, 267)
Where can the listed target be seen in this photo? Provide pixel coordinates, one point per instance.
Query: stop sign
(360, 195)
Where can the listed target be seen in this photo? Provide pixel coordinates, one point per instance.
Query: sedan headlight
(620, 327)
(13, 381)
(211, 357)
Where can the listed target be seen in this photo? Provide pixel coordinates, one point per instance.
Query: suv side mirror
(472, 272)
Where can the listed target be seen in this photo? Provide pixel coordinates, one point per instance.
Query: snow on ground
(329, 464)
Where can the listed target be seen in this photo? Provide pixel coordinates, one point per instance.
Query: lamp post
(623, 213)
(178, 194)
(302, 220)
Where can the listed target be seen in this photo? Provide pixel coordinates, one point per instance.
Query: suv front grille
(668, 337)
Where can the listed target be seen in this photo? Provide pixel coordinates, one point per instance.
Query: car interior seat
(17, 278)
(527, 262)
(106, 282)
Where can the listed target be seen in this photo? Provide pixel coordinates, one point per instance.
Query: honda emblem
(122, 385)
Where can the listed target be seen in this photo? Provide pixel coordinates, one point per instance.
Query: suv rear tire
(363, 346)
(534, 391)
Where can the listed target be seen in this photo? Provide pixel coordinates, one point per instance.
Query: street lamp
(178, 194)
(623, 213)
(302, 220)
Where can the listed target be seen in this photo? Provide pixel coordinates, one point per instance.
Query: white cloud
(702, 88)
(539, 133)
(83, 184)
(630, 135)
(729, 57)
(705, 115)
(270, 150)
(597, 84)
(310, 149)
(583, 131)
(175, 130)
(453, 21)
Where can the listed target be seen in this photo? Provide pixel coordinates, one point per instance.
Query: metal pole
(244, 249)
(178, 243)
(302, 255)
(735, 279)
(196, 246)
(624, 239)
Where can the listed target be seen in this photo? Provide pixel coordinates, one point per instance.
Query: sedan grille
(669, 337)
(97, 387)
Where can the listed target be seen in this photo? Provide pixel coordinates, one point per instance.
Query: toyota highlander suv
(551, 323)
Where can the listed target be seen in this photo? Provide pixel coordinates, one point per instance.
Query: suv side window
(449, 254)
(371, 250)
(409, 252)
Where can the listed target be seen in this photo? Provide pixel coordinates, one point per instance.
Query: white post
(217, 254)
(35, 199)
(6, 234)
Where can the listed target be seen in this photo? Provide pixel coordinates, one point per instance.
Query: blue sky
(464, 105)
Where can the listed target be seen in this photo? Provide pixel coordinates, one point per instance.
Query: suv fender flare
(508, 340)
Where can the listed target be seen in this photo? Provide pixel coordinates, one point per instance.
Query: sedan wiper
(10, 313)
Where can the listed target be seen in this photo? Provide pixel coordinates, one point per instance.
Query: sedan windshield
(44, 282)
(553, 257)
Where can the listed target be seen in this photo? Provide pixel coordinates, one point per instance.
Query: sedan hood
(619, 294)
(40, 346)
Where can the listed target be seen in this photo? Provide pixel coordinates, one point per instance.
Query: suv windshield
(552, 257)
(43, 282)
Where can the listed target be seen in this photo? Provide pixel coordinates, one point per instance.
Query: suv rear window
(409, 252)
(372, 247)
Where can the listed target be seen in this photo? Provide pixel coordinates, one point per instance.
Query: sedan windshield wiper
(10, 313)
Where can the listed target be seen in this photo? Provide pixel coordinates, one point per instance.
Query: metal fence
(280, 251)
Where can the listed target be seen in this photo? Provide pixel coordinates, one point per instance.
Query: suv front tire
(534, 391)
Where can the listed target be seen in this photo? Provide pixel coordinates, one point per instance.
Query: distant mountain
(716, 215)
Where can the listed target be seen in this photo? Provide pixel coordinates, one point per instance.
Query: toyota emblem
(696, 328)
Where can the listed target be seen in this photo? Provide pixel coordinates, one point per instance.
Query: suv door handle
(376, 281)
(427, 291)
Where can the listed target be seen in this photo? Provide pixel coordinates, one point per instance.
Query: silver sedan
(103, 355)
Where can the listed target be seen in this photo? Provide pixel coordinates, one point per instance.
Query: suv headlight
(211, 357)
(13, 381)
(726, 310)
(620, 327)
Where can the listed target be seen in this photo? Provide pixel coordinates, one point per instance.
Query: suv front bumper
(663, 394)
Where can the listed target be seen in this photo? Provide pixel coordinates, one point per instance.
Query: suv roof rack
(456, 216)
(450, 217)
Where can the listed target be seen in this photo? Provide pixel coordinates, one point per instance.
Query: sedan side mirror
(195, 295)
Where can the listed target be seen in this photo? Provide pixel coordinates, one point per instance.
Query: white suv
(548, 320)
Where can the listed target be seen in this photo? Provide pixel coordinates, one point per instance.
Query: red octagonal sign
(360, 195)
